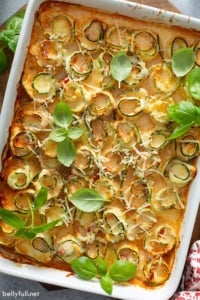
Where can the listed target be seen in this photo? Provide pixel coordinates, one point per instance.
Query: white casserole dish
(60, 278)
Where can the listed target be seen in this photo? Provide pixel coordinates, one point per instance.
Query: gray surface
(10, 285)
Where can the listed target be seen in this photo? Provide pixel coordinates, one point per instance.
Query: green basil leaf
(84, 267)
(120, 66)
(66, 152)
(58, 134)
(11, 218)
(106, 284)
(3, 61)
(122, 270)
(193, 80)
(62, 115)
(184, 112)
(6, 36)
(183, 61)
(75, 133)
(179, 131)
(23, 232)
(41, 198)
(101, 266)
(87, 200)
(14, 24)
(12, 44)
(43, 227)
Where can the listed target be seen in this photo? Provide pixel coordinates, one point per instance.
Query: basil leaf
(101, 265)
(184, 112)
(62, 115)
(84, 267)
(66, 152)
(23, 232)
(58, 134)
(120, 66)
(179, 131)
(14, 24)
(41, 198)
(87, 200)
(43, 227)
(193, 80)
(12, 44)
(122, 270)
(106, 284)
(3, 61)
(75, 133)
(11, 219)
(183, 61)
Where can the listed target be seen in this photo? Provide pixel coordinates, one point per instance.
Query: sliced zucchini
(138, 72)
(180, 172)
(44, 85)
(128, 251)
(42, 242)
(25, 247)
(74, 96)
(20, 177)
(51, 179)
(95, 249)
(114, 222)
(161, 240)
(79, 65)
(178, 43)
(47, 53)
(136, 194)
(105, 187)
(22, 143)
(158, 139)
(127, 133)
(73, 184)
(165, 198)
(61, 28)
(118, 38)
(131, 106)
(101, 103)
(49, 147)
(164, 79)
(147, 45)
(158, 107)
(55, 212)
(187, 147)
(68, 248)
(94, 32)
(156, 271)
(33, 117)
(24, 199)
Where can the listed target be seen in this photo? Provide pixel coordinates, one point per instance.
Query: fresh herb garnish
(64, 133)
(186, 115)
(183, 61)
(9, 37)
(120, 66)
(193, 80)
(87, 200)
(87, 268)
(26, 228)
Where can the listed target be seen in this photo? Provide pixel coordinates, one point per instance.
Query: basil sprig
(185, 114)
(87, 268)
(64, 133)
(9, 37)
(26, 228)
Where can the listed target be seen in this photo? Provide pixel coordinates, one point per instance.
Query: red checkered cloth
(190, 283)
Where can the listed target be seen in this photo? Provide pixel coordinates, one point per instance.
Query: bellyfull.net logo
(17, 294)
